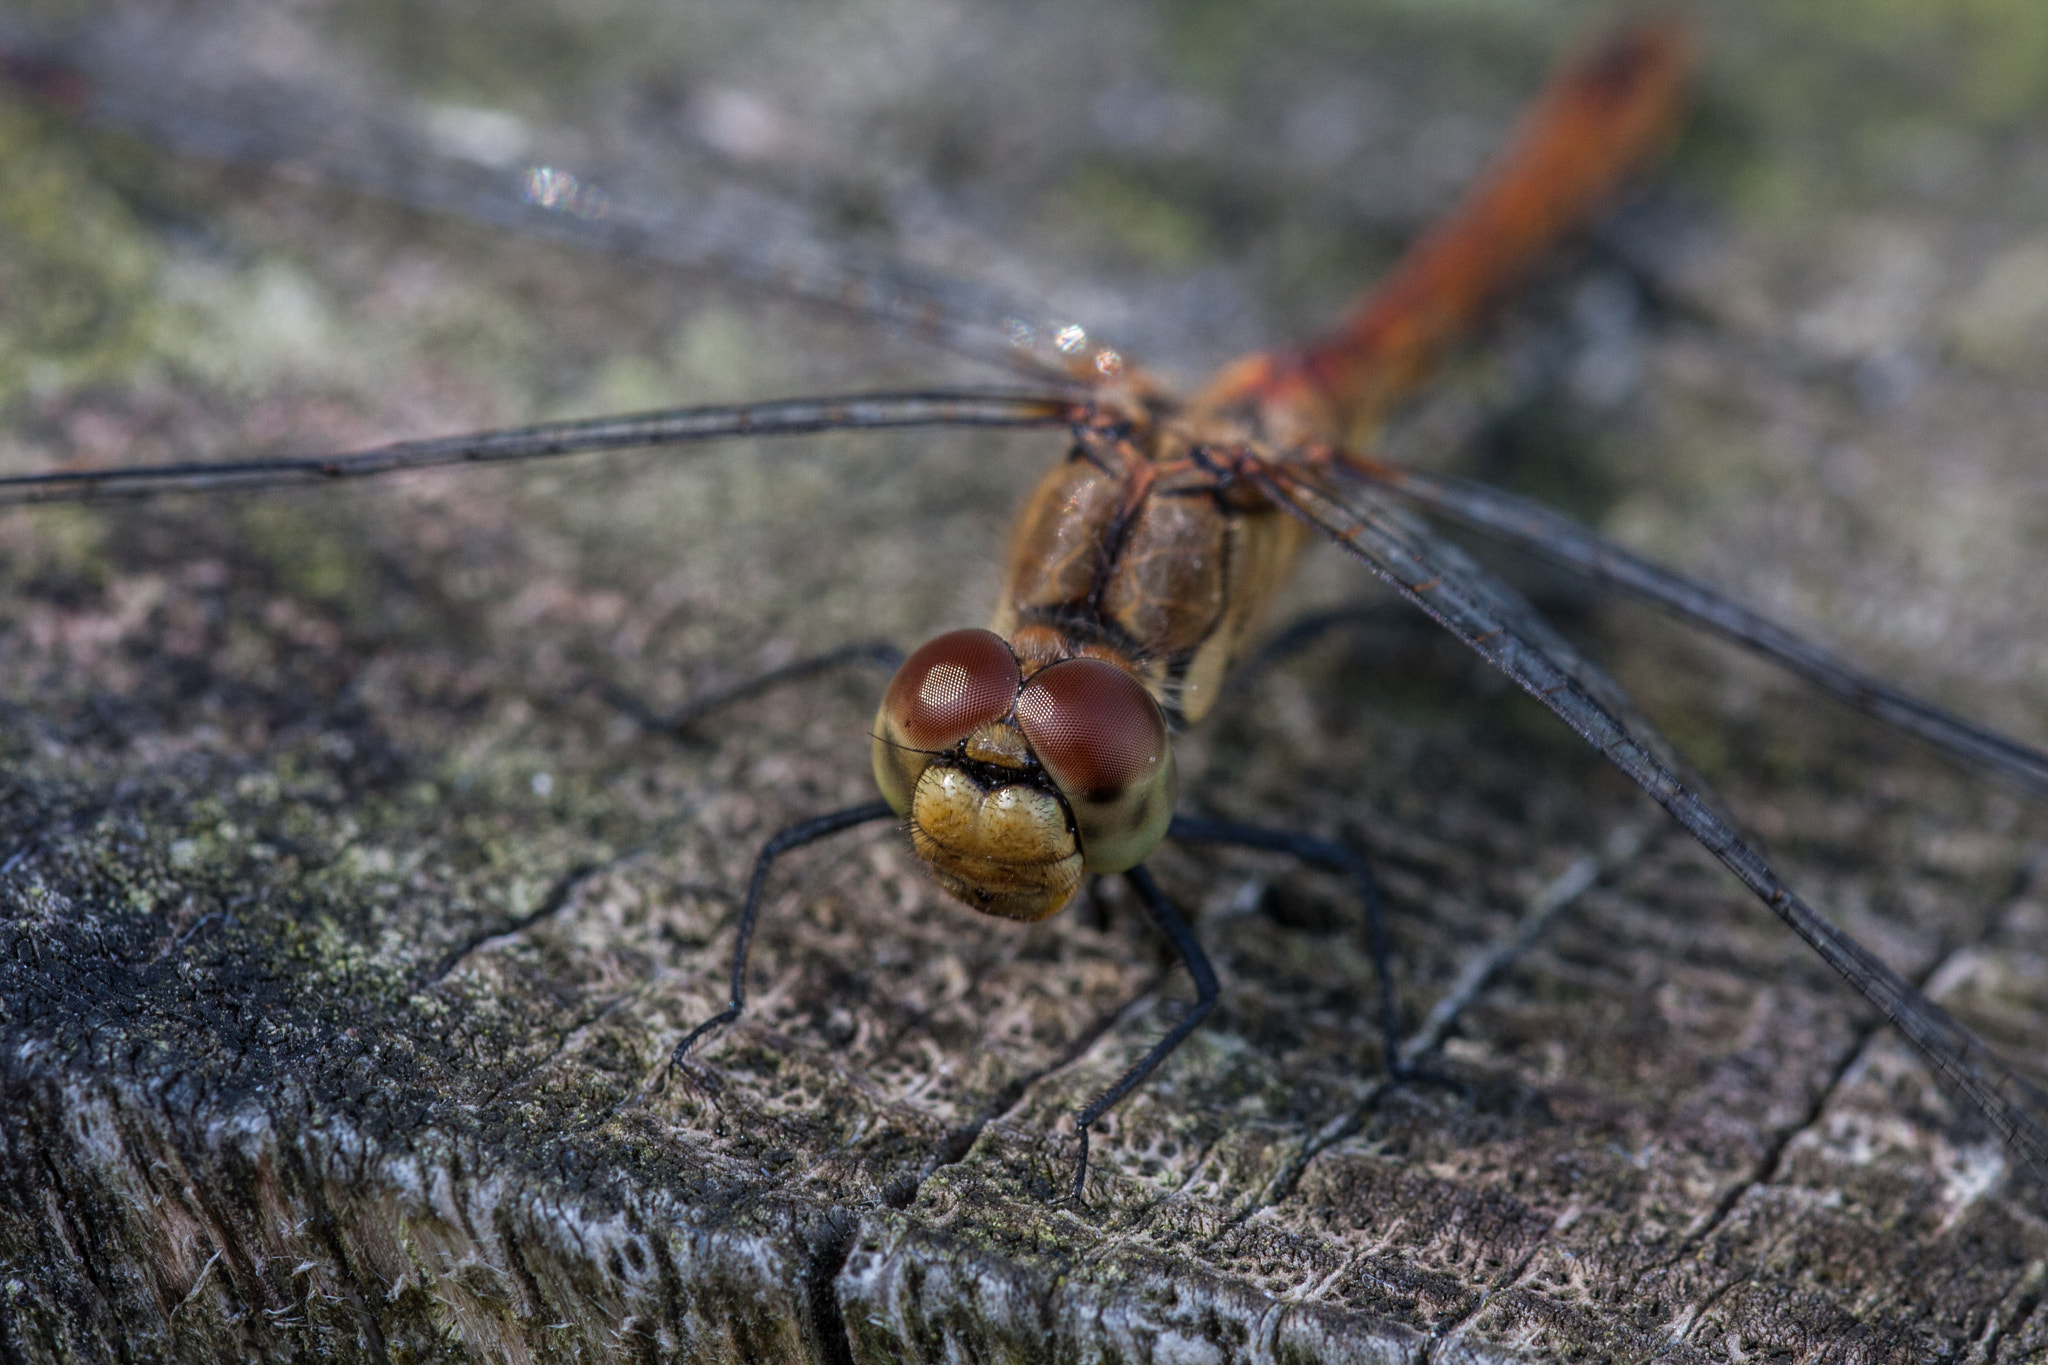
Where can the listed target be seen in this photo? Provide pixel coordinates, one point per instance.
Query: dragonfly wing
(672, 427)
(1565, 543)
(1487, 615)
(180, 87)
(1513, 610)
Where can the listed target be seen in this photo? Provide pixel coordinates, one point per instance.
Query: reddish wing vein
(674, 426)
(1468, 602)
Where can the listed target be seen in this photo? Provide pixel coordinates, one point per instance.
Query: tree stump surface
(347, 918)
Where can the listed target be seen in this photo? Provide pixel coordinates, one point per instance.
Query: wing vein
(1565, 543)
(671, 427)
(1489, 617)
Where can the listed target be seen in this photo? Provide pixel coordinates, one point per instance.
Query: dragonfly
(1277, 449)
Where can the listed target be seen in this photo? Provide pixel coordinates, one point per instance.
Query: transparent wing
(1565, 543)
(675, 426)
(188, 93)
(1487, 615)
(1508, 607)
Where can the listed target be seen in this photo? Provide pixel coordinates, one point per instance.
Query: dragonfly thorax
(1013, 786)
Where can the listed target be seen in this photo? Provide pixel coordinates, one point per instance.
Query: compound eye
(951, 687)
(1094, 727)
(1100, 735)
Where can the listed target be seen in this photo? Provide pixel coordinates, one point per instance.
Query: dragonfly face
(1012, 787)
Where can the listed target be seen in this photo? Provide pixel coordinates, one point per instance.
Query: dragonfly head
(1015, 786)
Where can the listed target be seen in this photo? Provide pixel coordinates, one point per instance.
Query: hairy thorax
(1140, 548)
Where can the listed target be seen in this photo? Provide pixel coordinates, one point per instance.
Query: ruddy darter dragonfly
(1026, 756)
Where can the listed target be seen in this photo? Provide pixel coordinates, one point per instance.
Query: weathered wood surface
(346, 927)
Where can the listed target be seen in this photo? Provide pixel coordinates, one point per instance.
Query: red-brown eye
(1094, 727)
(951, 687)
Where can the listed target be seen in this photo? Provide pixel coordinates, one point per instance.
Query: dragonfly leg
(866, 651)
(1192, 829)
(784, 840)
(1183, 939)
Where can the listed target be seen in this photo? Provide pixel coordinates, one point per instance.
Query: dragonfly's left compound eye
(948, 689)
(1100, 735)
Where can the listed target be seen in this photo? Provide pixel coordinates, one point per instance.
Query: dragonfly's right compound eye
(1100, 735)
(948, 689)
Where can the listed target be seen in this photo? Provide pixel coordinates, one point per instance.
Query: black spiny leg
(1193, 829)
(796, 836)
(1183, 939)
(867, 651)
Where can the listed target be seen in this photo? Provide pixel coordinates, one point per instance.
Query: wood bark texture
(347, 917)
